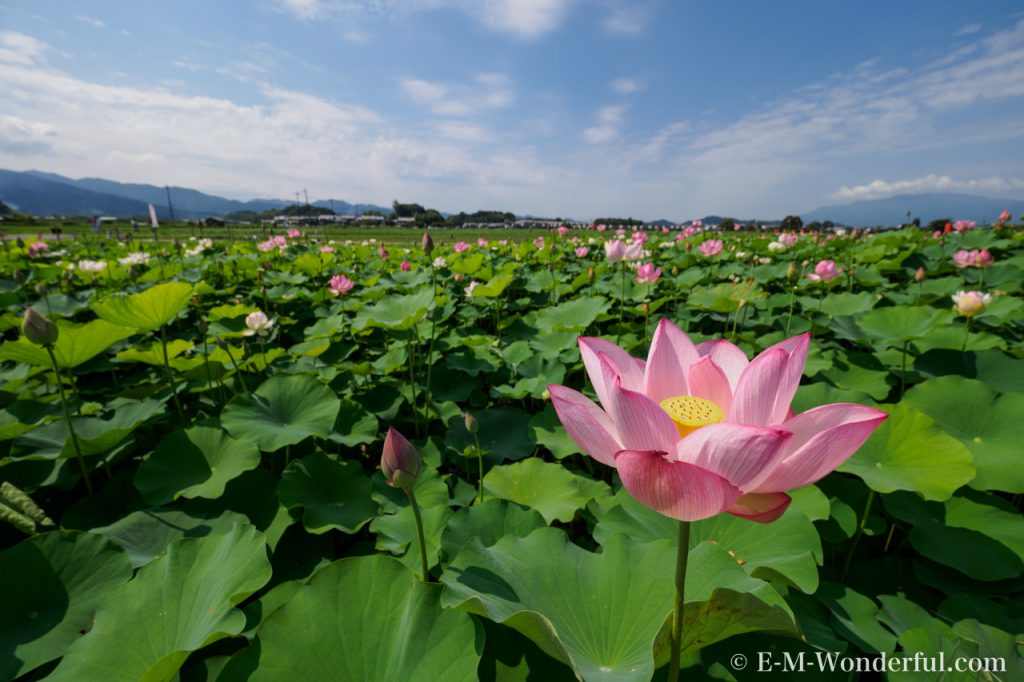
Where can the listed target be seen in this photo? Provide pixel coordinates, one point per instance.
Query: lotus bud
(399, 461)
(459, 277)
(428, 243)
(675, 270)
(920, 275)
(471, 423)
(791, 272)
(38, 329)
(970, 303)
(590, 274)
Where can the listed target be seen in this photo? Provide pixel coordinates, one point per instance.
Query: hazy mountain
(43, 193)
(927, 207)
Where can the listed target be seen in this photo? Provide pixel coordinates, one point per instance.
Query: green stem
(967, 334)
(170, 378)
(622, 301)
(860, 531)
(682, 554)
(903, 371)
(67, 418)
(792, 298)
(433, 323)
(480, 461)
(419, 533)
(234, 363)
(412, 388)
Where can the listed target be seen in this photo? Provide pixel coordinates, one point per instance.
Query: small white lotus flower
(257, 323)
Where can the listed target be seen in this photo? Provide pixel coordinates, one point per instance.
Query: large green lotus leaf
(790, 553)
(197, 462)
(823, 393)
(397, 313)
(504, 433)
(95, 435)
(151, 309)
(909, 451)
(492, 288)
(284, 410)
(147, 534)
(549, 432)
(153, 354)
(53, 584)
(488, 522)
(992, 367)
(573, 315)
(860, 372)
(602, 613)
(964, 641)
(901, 323)
(847, 304)
(367, 619)
(355, 426)
(332, 494)
(988, 515)
(991, 426)
(76, 344)
(856, 618)
(982, 554)
(178, 604)
(551, 489)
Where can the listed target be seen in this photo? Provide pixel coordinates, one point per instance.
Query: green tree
(792, 222)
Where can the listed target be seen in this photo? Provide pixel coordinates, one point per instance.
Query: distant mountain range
(927, 207)
(45, 194)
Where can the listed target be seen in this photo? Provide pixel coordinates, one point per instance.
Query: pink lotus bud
(1004, 216)
(472, 425)
(920, 275)
(428, 243)
(984, 259)
(399, 461)
(615, 250)
(38, 329)
(406, 266)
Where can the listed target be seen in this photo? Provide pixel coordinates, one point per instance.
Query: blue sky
(648, 108)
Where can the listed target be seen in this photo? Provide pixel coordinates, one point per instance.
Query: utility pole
(170, 207)
(307, 197)
(296, 197)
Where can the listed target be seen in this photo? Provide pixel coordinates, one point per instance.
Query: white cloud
(487, 91)
(608, 121)
(95, 23)
(968, 29)
(20, 136)
(18, 48)
(626, 86)
(878, 189)
(627, 17)
(523, 19)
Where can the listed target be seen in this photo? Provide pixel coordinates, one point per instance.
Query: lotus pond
(191, 438)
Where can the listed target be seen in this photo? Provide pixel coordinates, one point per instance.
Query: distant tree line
(618, 222)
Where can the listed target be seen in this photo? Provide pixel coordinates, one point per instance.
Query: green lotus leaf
(901, 323)
(53, 585)
(153, 354)
(284, 410)
(368, 619)
(76, 344)
(182, 602)
(551, 489)
(151, 309)
(333, 494)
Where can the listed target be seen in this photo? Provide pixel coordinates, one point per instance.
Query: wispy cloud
(878, 189)
(626, 86)
(627, 17)
(18, 48)
(487, 91)
(95, 23)
(523, 19)
(968, 29)
(609, 119)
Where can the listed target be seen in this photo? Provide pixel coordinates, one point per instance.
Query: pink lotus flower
(601, 227)
(279, 241)
(326, 249)
(665, 230)
(788, 239)
(36, 248)
(293, 233)
(824, 271)
(621, 232)
(634, 251)
(973, 258)
(963, 225)
(406, 266)
(711, 247)
(970, 303)
(460, 247)
(340, 284)
(614, 250)
(1004, 216)
(698, 430)
(481, 242)
(563, 230)
(641, 237)
(582, 252)
(383, 253)
(539, 242)
(647, 273)
(689, 231)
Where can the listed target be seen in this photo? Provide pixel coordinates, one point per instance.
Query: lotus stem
(170, 378)
(480, 464)
(857, 535)
(419, 532)
(67, 418)
(682, 554)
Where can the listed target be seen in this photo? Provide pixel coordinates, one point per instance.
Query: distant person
(135, 226)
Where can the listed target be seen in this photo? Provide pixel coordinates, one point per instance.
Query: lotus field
(570, 455)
